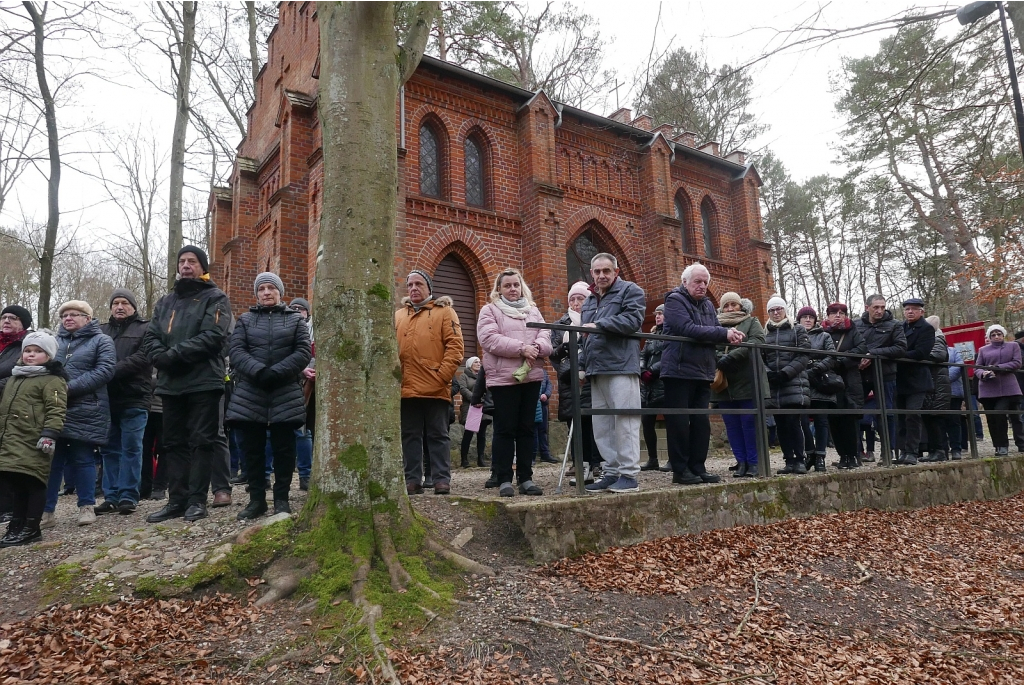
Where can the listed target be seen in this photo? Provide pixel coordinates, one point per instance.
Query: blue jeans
(303, 452)
(81, 458)
(122, 455)
(742, 431)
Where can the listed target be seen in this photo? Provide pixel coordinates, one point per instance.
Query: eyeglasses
(776, 309)
(8, 317)
(74, 315)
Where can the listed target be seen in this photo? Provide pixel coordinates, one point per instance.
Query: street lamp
(968, 14)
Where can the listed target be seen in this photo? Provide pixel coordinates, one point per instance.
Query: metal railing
(760, 410)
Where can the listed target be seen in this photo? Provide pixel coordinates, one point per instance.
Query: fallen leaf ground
(929, 596)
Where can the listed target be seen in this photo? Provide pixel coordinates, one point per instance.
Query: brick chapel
(490, 176)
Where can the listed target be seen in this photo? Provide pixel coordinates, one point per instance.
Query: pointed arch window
(683, 214)
(476, 172)
(430, 162)
(707, 218)
(579, 254)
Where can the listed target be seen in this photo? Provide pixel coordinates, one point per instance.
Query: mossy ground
(62, 584)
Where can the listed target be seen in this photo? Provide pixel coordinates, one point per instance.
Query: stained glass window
(683, 215)
(579, 254)
(430, 162)
(476, 193)
(707, 219)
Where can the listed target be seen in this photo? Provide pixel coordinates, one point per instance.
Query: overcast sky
(792, 89)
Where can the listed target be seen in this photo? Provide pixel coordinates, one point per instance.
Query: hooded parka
(560, 360)
(32, 407)
(269, 349)
(848, 339)
(819, 339)
(187, 337)
(791, 388)
(89, 358)
(430, 348)
(942, 390)
(734, 362)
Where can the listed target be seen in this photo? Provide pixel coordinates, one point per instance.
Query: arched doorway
(580, 252)
(452, 279)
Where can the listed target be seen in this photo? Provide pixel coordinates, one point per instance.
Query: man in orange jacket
(430, 350)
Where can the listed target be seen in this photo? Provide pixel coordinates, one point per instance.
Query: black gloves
(166, 361)
(774, 377)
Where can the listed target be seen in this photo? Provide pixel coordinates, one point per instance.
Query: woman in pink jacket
(513, 366)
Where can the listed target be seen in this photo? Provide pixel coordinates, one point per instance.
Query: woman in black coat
(787, 381)
(846, 338)
(269, 349)
(652, 388)
(560, 360)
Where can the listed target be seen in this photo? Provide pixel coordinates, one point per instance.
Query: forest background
(884, 135)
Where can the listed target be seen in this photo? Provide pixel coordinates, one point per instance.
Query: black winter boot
(465, 461)
(799, 467)
(254, 509)
(819, 463)
(789, 468)
(651, 465)
(28, 533)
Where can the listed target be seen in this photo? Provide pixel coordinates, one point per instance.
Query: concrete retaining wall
(570, 526)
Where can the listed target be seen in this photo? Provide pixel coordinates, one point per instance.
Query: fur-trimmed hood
(443, 301)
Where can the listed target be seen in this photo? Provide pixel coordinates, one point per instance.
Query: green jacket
(735, 364)
(31, 407)
(187, 338)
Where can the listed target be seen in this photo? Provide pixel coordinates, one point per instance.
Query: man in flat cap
(913, 379)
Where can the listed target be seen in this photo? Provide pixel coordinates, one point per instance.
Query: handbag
(827, 383)
(721, 383)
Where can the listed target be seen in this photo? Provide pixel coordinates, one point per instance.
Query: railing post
(577, 416)
(764, 466)
(883, 416)
(972, 437)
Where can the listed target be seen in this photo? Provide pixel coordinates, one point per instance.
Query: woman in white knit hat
(998, 389)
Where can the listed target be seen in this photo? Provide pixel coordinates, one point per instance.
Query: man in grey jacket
(611, 361)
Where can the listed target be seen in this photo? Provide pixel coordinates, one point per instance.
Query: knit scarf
(10, 338)
(519, 309)
(732, 318)
(576, 318)
(29, 371)
(846, 325)
(421, 305)
(782, 324)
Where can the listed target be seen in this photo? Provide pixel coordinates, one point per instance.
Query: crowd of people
(190, 402)
(165, 408)
(711, 369)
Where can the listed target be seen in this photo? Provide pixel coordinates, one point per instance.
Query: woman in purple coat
(998, 389)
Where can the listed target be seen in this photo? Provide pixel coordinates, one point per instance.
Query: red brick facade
(552, 172)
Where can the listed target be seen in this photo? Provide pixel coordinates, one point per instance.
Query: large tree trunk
(181, 116)
(357, 461)
(358, 437)
(254, 53)
(53, 182)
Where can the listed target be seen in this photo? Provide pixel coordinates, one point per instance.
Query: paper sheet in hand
(473, 419)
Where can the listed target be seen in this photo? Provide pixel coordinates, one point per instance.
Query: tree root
(465, 563)
(400, 578)
(372, 612)
(703, 663)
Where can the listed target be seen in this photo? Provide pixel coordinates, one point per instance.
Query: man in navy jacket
(687, 369)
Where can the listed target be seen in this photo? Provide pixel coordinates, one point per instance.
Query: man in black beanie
(185, 342)
(130, 393)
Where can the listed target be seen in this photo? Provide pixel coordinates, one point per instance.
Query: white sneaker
(86, 516)
(587, 476)
(49, 520)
